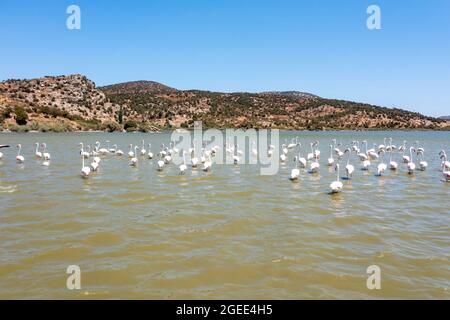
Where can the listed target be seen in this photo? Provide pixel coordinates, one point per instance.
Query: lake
(138, 233)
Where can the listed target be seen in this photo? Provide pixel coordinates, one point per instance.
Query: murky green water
(230, 233)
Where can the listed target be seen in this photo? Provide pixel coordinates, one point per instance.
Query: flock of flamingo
(338, 153)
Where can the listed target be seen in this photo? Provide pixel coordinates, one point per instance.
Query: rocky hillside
(68, 103)
(62, 103)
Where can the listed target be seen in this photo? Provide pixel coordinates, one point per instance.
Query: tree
(21, 116)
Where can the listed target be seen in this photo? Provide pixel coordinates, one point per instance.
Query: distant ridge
(445, 117)
(136, 87)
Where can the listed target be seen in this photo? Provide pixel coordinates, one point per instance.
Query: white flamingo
(207, 165)
(143, 151)
(382, 166)
(183, 166)
(19, 157)
(295, 172)
(130, 151)
(423, 165)
(85, 171)
(134, 160)
(392, 164)
(160, 163)
(150, 154)
(117, 151)
(411, 165)
(337, 185)
(38, 153)
(83, 153)
(446, 174)
(349, 168)
(331, 159)
(46, 155)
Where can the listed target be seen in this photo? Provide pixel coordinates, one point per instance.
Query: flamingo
(82, 152)
(134, 160)
(94, 165)
(160, 163)
(254, 150)
(310, 156)
(19, 157)
(143, 151)
(392, 164)
(316, 150)
(406, 159)
(363, 156)
(46, 155)
(118, 152)
(150, 154)
(38, 153)
(349, 168)
(183, 166)
(207, 165)
(382, 166)
(110, 150)
(337, 185)
(314, 166)
(423, 165)
(102, 150)
(295, 172)
(331, 159)
(411, 165)
(85, 171)
(130, 151)
(301, 160)
(445, 164)
(194, 159)
(446, 174)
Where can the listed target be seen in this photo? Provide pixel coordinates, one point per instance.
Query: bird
(160, 163)
(423, 165)
(295, 172)
(134, 160)
(1, 147)
(363, 156)
(349, 168)
(83, 153)
(143, 151)
(110, 150)
(207, 165)
(314, 166)
(38, 153)
(381, 166)
(130, 151)
(392, 164)
(331, 159)
(445, 164)
(118, 151)
(337, 185)
(183, 166)
(19, 157)
(85, 171)
(446, 174)
(46, 155)
(411, 165)
(94, 165)
(150, 154)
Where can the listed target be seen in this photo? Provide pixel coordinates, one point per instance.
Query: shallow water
(230, 233)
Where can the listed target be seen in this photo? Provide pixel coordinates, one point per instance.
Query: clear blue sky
(317, 46)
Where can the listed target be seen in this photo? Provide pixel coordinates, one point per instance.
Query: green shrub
(130, 125)
(111, 126)
(21, 116)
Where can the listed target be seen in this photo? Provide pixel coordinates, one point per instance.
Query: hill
(445, 118)
(137, 87)
(73, 102)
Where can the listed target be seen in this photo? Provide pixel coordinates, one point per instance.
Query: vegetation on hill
(68, 103)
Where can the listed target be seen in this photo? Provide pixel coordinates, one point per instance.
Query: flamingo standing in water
(349, 168)
(46, 155)
(183, 166)
(392, 164)
(1, 147)
(382, 166)
(411, 165)
(445, 164)
(331, 159)
(446, 174)
(19, 157)
(295, 172)
(134, 160)
(38, 153)
(337, 185)
(143, 151)
(423, 165)
(150, 154)
(130, 151)
(85, 171)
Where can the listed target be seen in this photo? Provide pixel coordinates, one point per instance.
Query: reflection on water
(229, 233)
